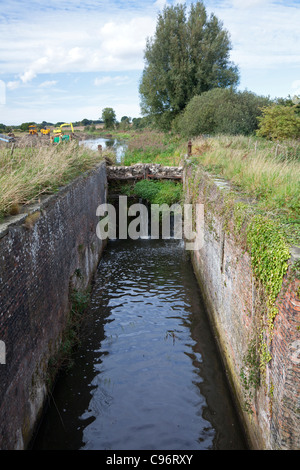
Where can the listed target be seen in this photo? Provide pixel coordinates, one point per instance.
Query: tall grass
(153, 147)
(260, 169)
(260, 172)
(28, 173)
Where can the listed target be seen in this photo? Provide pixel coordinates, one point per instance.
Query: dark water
(147, 374)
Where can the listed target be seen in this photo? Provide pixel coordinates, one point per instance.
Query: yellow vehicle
(60, 135)
(45, 131)
(33, 130)
(59, 130)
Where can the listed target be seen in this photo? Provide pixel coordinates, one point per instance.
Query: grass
(262, 170)
(153, 147)
(28, 173)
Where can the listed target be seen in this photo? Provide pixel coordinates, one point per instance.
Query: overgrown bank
(265, 174)
(28, 173)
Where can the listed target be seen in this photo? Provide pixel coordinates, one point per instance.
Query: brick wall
(40, 258)
(223, 268)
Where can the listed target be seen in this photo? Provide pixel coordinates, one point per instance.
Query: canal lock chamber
(147, 373)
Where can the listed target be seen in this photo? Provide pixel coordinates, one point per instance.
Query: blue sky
(66, 60)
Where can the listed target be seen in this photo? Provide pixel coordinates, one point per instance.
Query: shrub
(222, 111)
(279, 122)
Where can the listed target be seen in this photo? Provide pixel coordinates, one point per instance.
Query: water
(118, 146)
(147, 374)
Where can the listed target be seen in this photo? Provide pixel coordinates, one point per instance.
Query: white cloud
(48, 84)
(264, 35)
(160, 4)
(28, 75)
(88, 42)
(296, 87)
(13, 85)
(2, 93)
(248, 3)
(118, 80)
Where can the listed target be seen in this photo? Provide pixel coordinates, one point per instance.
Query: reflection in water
(118, 146)
(147, 374)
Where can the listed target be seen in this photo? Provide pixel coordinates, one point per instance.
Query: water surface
(147, 374)
(118, 146)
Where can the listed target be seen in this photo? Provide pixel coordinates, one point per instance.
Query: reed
(28, 173)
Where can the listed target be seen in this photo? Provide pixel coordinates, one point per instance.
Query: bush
(279, 122)
(222, 111)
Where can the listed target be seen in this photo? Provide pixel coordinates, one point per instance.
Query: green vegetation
(156, 192)
(279, 122)
(221, 111)
(109, 118)
(188, 55)
(154, 147)
(28, 173)
(265, 173)
(269, 253)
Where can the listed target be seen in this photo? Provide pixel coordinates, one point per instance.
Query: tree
(25, 125)
(125, 122)
(188, 55)
(108, 117)
(222, 111)
(279, 122)
(86, 122)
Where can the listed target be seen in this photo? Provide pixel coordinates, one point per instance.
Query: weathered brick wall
(223, 268)
(284, 369)
(40, 258)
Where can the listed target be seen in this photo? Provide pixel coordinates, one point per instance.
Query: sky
(67, 60)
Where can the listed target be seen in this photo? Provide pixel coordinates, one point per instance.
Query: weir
(144, 171)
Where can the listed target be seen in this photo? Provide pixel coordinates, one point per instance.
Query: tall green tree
(108, 117)
(188, 55)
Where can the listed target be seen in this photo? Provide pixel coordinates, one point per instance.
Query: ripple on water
(148, 372)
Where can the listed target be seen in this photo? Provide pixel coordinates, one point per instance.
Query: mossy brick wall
(42, 257)
(236, 305)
